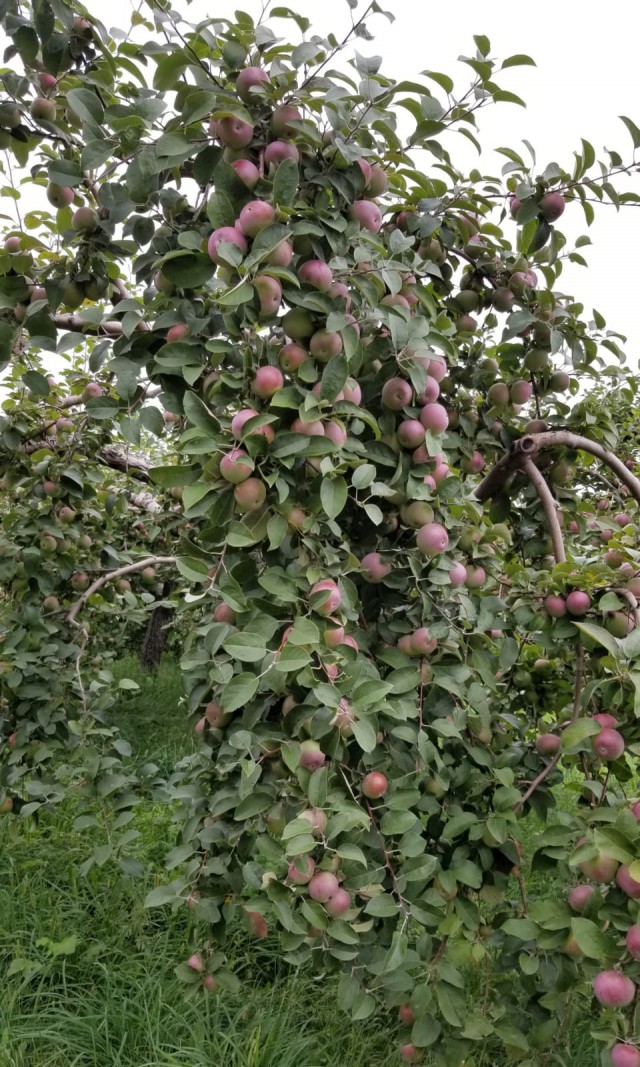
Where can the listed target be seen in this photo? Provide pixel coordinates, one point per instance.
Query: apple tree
(385, 422)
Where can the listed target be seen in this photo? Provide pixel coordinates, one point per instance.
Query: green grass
(88, 973)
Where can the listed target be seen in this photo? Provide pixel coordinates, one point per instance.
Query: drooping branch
(532, 444)
(104, 579)
(548, 504)
(626, 594)
(577, 701)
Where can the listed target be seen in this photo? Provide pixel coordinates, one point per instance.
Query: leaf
(198, 413)
(518, 61)
(364, 734)
(523, 929)
(36, 383)
(178, 475)
(245, 646)
(578, 732)
(333, 496)
(593, 941)
(633, 130)
(334, 378)
(602, 636)
(239, 691)
(86, 105)
(285, 183)
(163, 894)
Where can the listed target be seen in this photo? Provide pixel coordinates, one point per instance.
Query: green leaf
(180, 474)
(333, 496)
(518, 61)
(364, 734)
(36, 383)
(198, 413)
(285, 183)
(245, 646)
(602, 636)
(163, 894)
(334, 377)
(523, 929)
(633, 130)
(593, 941)
(239, 691)
(86, 105)
(577, 732)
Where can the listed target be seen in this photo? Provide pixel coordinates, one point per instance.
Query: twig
(130, 568)
(548, 504)
(577, 695)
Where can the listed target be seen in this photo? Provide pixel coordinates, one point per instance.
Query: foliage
(374, 652)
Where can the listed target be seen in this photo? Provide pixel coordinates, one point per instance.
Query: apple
(396, 394)
(613, 990)
(580, 896)
(373, 568)
(247, 80)
(267, 381)
(367, 214)
(434, 417)
(235, 466)
(234, 132)
(250, 495)
(326, 597)
(548, 744)
(374, 785)
(432, 538)
(317, 274)
(338, 903)
(323, 886)
(578, 603)
(608, 744)
(623, 1055)
(626, 883)
(301, 870)
(311, 755)
(276, 152)
(225, 235)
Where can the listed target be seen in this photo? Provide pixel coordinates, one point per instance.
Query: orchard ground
(89, 972)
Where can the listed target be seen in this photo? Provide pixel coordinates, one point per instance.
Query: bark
(155, 638)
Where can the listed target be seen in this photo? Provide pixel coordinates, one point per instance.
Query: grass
(88, 973)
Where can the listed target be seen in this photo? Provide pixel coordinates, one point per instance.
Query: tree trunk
(155, 638)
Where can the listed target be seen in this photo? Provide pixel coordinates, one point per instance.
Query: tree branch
(626, 594)
(548, 504)
(104, 579)
(577, 697)
(529, 447)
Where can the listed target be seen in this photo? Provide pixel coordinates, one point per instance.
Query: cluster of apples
(611, 987)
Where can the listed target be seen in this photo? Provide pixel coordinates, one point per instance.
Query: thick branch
(104, 579)
(577, 700)
(77, 324)
(123, 461)
(548, 503)
(529, 447)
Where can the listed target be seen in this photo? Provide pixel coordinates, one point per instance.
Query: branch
(627, 595)
(548, 504)
(130, 568)
(77, 324)
(529, 447)
(118, 460)
(577, 697)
